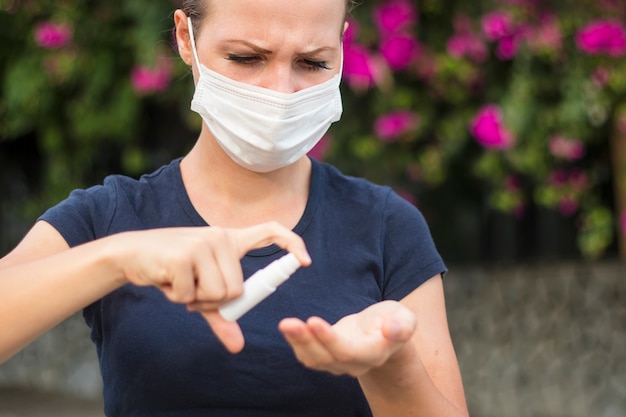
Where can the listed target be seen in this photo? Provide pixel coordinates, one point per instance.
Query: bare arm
(422, 378)
(43, 281)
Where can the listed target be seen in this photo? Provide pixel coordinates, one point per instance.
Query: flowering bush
(522, 96)
(517, 102)
(84, 79)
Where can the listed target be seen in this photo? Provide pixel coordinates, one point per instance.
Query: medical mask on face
(261, 129)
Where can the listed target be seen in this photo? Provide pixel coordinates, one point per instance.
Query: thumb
(399, 329)
(267, 233)
(229, 333)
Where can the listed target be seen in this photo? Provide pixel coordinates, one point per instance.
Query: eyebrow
(250, 45)
(318, 50)
(261, 50)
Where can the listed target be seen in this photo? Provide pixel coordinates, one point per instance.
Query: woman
(360, 331)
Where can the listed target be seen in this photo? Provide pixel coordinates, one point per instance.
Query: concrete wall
(532, 341)
(542, 341)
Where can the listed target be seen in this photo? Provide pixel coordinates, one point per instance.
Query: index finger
(265, 234)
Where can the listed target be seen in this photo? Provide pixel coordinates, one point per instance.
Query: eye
(244, 59)
(315, 65)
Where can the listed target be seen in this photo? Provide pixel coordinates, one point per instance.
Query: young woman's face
(282, 45)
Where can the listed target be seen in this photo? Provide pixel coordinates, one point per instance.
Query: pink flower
(467, 44)
(564, 148)
(462, 23)
(578, 180)
(507, 47)
(52, 35)
(622, 222)
(497, 25)
(512, 183)
(568, 206)
(575, 179)
(147, 80)
(399, 51)
(391, 126)
(602, 37)
(395, 16)
(546, 36)
(558, 178)
(601, 77)
(489, 130)
(359, 67)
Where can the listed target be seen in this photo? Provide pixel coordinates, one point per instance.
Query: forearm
(37, 295)
(402, 387)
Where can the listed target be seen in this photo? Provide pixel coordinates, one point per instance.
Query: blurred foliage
(555, 73)
(75, 92)
(99, 87)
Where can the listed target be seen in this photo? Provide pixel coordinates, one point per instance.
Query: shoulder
(335, 184)
(166, 176)
(357, 192)
(88, 214)
(373, 214)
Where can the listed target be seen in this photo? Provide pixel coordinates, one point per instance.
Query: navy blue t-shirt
(157, 359)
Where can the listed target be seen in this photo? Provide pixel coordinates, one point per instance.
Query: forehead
(293, 19)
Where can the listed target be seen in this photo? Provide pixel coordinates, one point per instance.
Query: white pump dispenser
(259, 286)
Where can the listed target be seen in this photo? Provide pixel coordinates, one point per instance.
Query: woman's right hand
(201, 266)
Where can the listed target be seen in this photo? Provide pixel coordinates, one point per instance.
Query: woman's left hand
(354, 345)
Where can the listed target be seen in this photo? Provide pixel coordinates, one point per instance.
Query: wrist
(112, 260)
(400, 368)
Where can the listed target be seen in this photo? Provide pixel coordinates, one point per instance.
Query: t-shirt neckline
(300, 228)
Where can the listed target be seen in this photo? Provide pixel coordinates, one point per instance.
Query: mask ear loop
(193, 43)
(342, 61)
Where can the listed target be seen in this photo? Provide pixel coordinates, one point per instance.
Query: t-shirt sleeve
(85, 215)
(409, 251)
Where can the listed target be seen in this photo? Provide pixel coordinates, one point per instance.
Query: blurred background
(503, 121)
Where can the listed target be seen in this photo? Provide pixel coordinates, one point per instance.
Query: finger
(271, 233)
(323, 331)
(229, 333)
(305, 345)
(183, 285)
(291, 327)
(398, 329)
(179, 283)
(229, 263)
(211, 285)
(330, 340)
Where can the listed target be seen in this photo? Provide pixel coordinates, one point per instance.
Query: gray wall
(541, 341)
(532, 341)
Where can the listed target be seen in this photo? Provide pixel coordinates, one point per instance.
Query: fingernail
(293, 332)
(394, 330)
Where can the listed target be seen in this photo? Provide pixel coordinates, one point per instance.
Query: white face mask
(261, 129)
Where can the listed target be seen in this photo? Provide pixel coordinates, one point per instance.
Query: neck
(228, 195)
